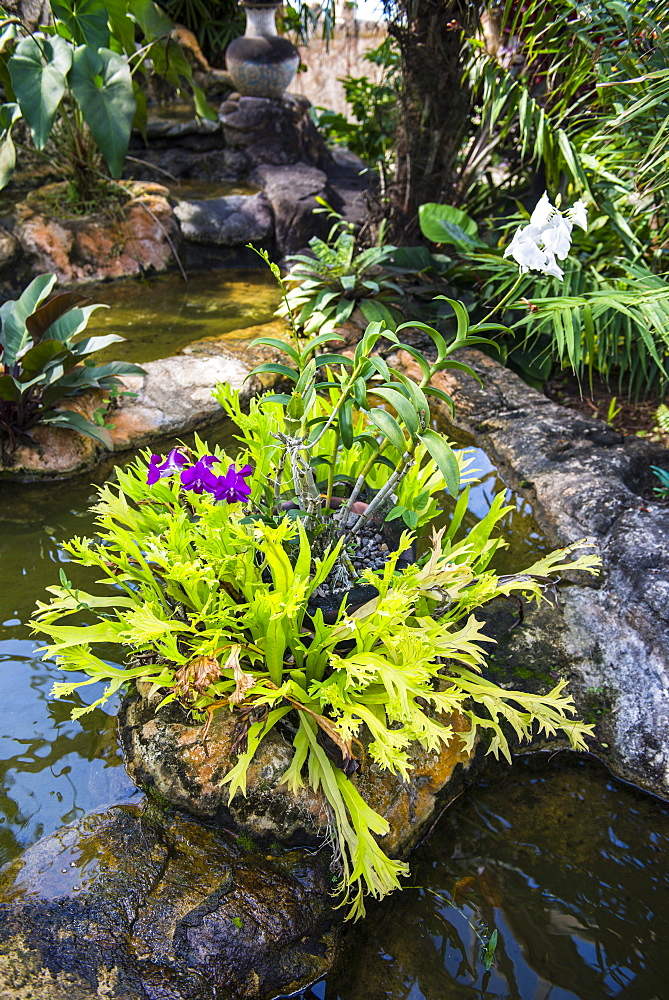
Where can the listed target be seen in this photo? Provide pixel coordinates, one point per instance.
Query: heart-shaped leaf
(39, 69)
(101, 83)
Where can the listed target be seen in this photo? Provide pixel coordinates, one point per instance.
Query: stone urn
(261, 63)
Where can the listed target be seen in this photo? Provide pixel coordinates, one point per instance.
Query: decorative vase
(261, 63)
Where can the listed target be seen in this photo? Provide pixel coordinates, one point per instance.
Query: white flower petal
(525, 251)
(543, 212)
(579, 214)
(552, 267)
(556, 237)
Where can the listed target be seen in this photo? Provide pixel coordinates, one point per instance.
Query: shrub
(43, 363)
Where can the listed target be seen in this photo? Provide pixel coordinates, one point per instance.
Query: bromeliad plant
(44, 361)
(326, 286)
(209, 603)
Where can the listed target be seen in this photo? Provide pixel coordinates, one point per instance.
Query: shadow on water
(566, 864)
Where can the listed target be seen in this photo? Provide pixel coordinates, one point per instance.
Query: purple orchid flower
(232, 486)
(158, 468)
(199, 478)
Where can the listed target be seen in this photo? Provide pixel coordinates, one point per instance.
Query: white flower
(556, 237)
(524, 248)
(552, 267)
(543, 212)
(579, 214)
(536, 246)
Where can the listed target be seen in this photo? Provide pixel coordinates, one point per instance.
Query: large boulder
(165, 755)
(292, 192)
(610, 635)
(233, 220)
(134, 904)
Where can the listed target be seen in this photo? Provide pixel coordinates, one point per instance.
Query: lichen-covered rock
(165, 755)
(135, 238)
(131, 904)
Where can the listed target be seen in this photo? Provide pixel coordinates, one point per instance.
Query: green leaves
(41, 363)
(445, 458)
(39, 69)
(85, 21)
(101, 83)
(446, 224)
(9, 113)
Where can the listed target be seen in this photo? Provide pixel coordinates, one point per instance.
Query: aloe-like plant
(211, 605)
(337, 277)
(44, 361)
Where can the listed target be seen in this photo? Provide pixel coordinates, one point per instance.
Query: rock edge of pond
(609, 636)
(174, 397)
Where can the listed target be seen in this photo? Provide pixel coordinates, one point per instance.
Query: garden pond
(564, 863)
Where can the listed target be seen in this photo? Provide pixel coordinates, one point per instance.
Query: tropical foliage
(336, 277)
(214, 606)
(578, 92)
(76, 85)
(44, 361)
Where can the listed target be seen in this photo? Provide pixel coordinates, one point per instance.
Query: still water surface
(160, 315)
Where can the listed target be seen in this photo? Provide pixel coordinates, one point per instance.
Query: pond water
(567, 866)
(160, 315)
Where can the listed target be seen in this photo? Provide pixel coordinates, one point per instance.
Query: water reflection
(568, 866)
(160, 315)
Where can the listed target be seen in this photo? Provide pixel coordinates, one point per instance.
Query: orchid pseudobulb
(547, 238)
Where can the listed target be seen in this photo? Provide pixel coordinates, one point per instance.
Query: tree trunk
(434, 104)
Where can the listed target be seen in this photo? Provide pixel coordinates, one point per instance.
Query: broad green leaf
(445, 458)
(122, 24)
(153, 21)
(73, 322)
(86, 20)
(96, 343)
(276, 369)
(7, 160)
(346, 424)
(9, 113)
(9, 389)
(389, 428)
(202, 108)
(76, 422)
(102, 85)
(42, 318)
(34, 360)
(446, 224)
(39, 69)
(14, 314)
(402, 406)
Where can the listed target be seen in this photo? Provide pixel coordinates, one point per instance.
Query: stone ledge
(583, 479)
